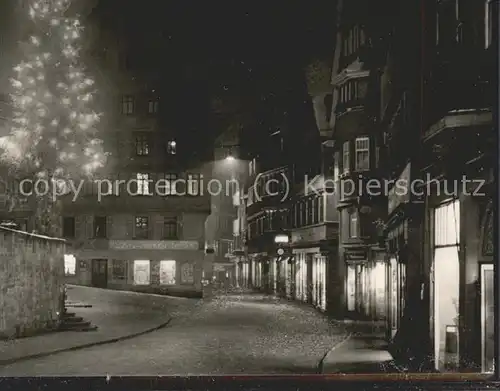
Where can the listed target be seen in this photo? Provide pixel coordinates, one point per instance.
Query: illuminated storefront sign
(153, 245)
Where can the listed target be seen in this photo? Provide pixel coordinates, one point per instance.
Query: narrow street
(229, 334)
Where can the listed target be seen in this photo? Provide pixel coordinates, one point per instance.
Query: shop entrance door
(351, 288)
(100, 273)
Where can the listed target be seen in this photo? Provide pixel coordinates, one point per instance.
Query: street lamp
(229, 158)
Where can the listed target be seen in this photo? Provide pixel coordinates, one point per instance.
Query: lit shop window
(69, 264)
(142, 272)
(167, 272)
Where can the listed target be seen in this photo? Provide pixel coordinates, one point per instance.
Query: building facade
(459, 158)
(142, 226)
(223, 225)
(432, 103)
(357, 145)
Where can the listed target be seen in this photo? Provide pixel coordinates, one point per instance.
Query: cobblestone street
(229, 334)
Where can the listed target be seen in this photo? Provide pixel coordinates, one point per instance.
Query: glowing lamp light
(230, 158)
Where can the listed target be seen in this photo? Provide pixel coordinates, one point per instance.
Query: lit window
(141, 227)
(142, 184)
(69, 265)
(153, 106)
(346, 157)
(142, 272)
(362, 154)
(142, 145)
(172, 147)
(170, 184)
(128, 105)
(353, 225)
(167, 272)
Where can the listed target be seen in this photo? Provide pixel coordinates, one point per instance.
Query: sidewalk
(118, 315)
(364, 351)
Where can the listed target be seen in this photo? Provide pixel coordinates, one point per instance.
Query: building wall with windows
(458, 139)
(356, 154)
(228, 175)
(436, 123)
(140, 223)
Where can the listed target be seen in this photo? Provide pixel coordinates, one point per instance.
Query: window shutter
(79, 227)
(109, 226)
(132, 186)
(151, 226)
(89, 225)
(158, 228)
(130, 221)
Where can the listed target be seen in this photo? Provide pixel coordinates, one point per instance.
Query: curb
(84, 346)
(133, 292)
(335, 347)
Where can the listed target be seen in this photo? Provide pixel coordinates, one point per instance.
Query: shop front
(165, 267)
(445, 271)
(378, 286)
(357, 278)
(487, 292)
(319, 281)
(301, 276)
(396, 276)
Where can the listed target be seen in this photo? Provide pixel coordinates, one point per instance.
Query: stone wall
(31, 282)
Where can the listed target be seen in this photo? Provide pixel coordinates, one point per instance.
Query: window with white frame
(345, 157)
(142, 183)
(128, 105)
(353, 224)
(193, 184)
(170, 184)
(153, 106)
(142, 144)
(488, 22)
(362, 152)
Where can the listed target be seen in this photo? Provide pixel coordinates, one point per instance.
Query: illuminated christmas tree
(53, 134)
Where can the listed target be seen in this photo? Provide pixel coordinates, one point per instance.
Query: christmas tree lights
(53, 133)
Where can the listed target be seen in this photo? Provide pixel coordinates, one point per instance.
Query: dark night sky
(250, 54)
